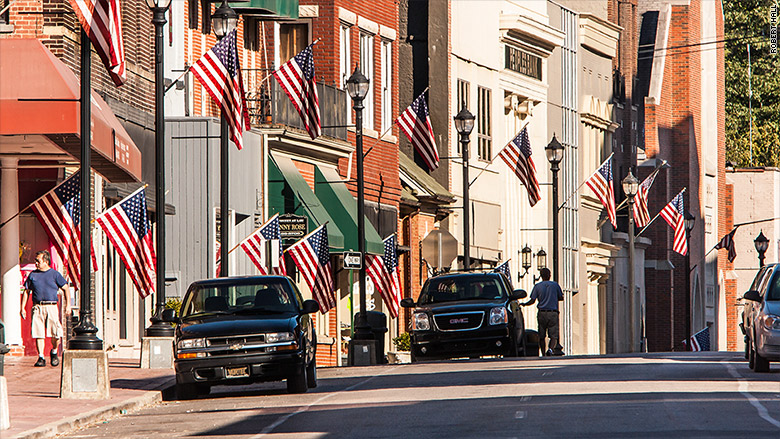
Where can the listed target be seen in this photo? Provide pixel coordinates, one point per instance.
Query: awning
(39, 114)
(288, 192)
(342, 206)
(267, 9)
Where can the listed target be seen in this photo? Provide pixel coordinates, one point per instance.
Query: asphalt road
(706, 395)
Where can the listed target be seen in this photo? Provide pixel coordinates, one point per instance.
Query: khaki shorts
(46, 321)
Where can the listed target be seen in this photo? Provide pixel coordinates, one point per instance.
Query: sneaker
(40, 363)
(54, 360)
(549, 353)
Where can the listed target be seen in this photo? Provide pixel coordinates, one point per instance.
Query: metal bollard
(3, 347)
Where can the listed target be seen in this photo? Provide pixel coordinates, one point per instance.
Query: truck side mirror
(752, 295)
(518, 294)
(408, 303)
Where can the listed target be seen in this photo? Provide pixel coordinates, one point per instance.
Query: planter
(399, 357)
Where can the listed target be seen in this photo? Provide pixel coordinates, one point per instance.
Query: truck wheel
(760, 364)
(311, 374)
(751, 357)
(297, 382)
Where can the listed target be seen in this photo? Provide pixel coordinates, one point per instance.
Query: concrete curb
(66, 425)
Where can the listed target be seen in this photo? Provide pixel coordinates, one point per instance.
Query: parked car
(469, 315)
(240, 330)
(761, 319)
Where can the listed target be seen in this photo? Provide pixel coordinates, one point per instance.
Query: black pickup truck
(469, 315)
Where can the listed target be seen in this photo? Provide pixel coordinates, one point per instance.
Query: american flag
(383, 271)
(254, 246)
(312, 258)
(127, 227)
(504, 268)
(727, 242)
(298, 80)
(219, 72)
(218, 260)
(416, 124)
(59, 211)
(102, 21)
(674, 214)
(700, 341)
(641, 213)
(601, 185)
(517, 155)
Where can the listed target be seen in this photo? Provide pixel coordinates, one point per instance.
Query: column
(9, 251)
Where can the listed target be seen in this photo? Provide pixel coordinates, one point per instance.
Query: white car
(761, 319)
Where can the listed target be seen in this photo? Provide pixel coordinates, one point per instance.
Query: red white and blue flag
(641, 212)
(517, 155)
(674, 214)
(601, 185)
(383, 271)
(299, 81)
(504, 269)
(699, 341)
(727, 242)
(255, 246)
(102, 21)
(312, 257)
(416, 124)
(219, 72)
(126, 225)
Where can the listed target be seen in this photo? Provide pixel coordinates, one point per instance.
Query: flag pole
(251, 234)
(496, 156)
(656, 215)
(583, 182)
(37, 200)
(123, 200)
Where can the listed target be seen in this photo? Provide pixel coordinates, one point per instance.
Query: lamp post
(159, 328)
(762, 244)
(357, 87)
(525, 262)
(554, 152)
(464, 123)
(541, 262)
(224, 19)
(630, 188)
(690, 221)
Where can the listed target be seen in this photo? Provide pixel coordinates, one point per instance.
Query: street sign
(293, 226)
(352, 261)
(439, 248)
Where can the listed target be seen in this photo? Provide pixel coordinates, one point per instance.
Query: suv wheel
(311, 374)
(297, 382)
(760, 364)
(751, 356)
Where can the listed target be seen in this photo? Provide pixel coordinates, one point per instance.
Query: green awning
(288, 192)
(342, 206)
(267, 9)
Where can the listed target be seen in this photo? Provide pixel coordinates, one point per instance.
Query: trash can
(3, 348)
(377, 321)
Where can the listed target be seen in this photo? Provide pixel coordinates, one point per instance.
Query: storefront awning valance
(267, 9)
(39, 114)
(342, 206)
(288, 192)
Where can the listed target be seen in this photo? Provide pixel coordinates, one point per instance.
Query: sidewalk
(37, 410)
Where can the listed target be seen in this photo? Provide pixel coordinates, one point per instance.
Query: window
(484, 129)
(251, 34)
(292, 39)
(463, 100)
(387, 83)
(345, 63)
(367, 68)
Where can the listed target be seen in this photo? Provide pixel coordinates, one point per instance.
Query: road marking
(743, 389)
(544, 374)
(520, 414)
(284, 418)
(525, 398)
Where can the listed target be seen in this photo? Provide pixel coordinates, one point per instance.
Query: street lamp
(224, 19)
(159, 328)
(464, 123)
(357, 87)
(541, 262)
(630, 188)
(762, 244)
(689, 221)
(554, 152)
(525, 262)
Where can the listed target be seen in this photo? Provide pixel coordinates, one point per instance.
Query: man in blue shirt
(548, 293)
(45, 284)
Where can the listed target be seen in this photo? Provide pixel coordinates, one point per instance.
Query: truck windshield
(231, 299)
(448, 289)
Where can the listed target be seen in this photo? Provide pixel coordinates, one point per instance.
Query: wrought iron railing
(270, 106)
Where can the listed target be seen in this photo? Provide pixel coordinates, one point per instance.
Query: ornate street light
(762, 244)
(541, 262)
(525, 261)
(464, 123)
(630, 187)
(224, 19)
(554, 151)
(690, 221)
(357, 87)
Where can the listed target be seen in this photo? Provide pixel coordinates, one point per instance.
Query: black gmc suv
(469, 315)
(239, 330)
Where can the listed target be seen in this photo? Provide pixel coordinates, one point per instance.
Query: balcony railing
(270, 106)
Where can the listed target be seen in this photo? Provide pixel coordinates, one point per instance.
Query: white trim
(347, 16)
(367, 25)
(308, 11)
(387, 33)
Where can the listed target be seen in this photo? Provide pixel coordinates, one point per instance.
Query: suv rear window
(773, 290)
(448, 289)
(234, 299)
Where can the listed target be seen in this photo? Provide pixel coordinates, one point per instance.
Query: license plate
(236, 372)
